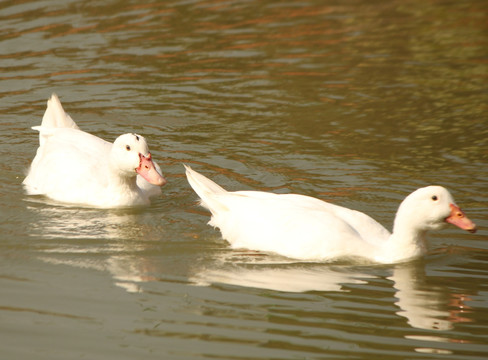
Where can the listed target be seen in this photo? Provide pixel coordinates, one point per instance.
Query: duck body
(306, 228)
(76, 167)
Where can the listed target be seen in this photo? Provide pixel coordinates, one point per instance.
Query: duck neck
(122, 181)
(406, 241)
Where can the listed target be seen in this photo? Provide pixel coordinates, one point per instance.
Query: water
(355, 102)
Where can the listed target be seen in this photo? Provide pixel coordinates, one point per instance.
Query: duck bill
(459, 219)
(148, 171)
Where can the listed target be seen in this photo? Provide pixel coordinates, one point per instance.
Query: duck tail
(206, 189)
(55, 116)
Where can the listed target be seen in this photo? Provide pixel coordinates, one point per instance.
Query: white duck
(76, 167)
(307, 228)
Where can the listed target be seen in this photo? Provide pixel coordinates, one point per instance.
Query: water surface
(354, 102)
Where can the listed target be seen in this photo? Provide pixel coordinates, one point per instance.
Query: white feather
(306, 228)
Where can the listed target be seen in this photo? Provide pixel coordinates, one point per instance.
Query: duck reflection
(424, 305)
(105, 240)
(70, 222)
(280, 277)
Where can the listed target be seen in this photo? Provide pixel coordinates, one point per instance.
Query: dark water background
(354, 102)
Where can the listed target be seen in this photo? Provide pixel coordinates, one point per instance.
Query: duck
(75, 167)
(309, 229)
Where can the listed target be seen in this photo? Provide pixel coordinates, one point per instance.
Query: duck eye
(434, 197)
(127, 147)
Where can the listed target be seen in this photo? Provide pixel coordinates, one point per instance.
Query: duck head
(130, 156)
(431, 208)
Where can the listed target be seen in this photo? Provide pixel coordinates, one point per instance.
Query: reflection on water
(66, 222)
(279, 278)
(114, 237)
(426, 306)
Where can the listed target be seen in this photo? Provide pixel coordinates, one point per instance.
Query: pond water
(354, 102)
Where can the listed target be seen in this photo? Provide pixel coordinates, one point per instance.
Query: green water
(354, 102)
